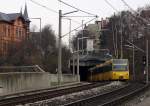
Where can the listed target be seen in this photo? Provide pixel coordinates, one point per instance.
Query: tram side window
(100, 69)
(108, 68)
(103, 69)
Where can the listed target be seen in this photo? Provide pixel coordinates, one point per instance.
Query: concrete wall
(23, 81)
(16, 82)
(66, 78)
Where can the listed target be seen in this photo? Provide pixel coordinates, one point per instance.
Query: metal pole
(40, 31)
(86, 48)
(133, 58)
(147, 80)
(133, 64)
(73, 64)
(116, 41)
(59, 51)
(82, 37)
(121, 44)
(121, 37)
(70, 34)
(78, 60)
(146, 37)
(114, 45)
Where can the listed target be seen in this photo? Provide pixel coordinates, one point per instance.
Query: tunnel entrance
(86, 62)
(84, 73)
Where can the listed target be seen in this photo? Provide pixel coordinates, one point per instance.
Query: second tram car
(114, 69)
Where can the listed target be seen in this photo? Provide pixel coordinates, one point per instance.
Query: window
(20, 33)
(4, 30)
(7, 27)
(17, 32)
(120, 67)
(4, 46)
(9, 32)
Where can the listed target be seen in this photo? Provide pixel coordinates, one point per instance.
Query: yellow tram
(114, 69)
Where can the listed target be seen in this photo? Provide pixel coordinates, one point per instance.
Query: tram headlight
(114, 74)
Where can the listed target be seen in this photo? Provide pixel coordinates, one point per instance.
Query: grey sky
(98, 7)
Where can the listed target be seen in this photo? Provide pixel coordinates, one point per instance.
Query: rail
(34, 97)
(110, 98)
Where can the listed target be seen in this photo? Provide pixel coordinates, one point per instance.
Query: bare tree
(39, 49)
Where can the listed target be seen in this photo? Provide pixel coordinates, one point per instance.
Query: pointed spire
(21, 11)
(26, 12)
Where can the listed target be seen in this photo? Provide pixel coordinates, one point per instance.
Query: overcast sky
(98, 7)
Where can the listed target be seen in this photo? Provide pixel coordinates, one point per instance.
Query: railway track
(111, 98)
(46, 94)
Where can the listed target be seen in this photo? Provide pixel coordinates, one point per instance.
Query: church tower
(27, 20)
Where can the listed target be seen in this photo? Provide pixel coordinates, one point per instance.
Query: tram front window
(120, 67)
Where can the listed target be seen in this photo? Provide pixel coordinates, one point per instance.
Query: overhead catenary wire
(52, 10)
(79, 16)
(111, 6)
(75, 21)
(134, 16)
(76, 8)
(130, 14)
(135, 46)
(138, 15)
(78, 27)
(93, 15)
(146, 21)
(72, 20)
(129, 7)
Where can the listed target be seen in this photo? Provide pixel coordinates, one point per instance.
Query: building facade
(96, 31)
(14, 28)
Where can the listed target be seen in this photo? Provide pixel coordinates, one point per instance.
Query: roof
(4, 17)
(12, 17)
(91, 60)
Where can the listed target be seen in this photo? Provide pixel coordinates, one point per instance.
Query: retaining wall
(22, 81)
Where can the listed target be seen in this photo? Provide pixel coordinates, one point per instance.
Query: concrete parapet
(65, 78)
(13, 82)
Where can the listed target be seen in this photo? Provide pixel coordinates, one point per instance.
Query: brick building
(14, 28)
